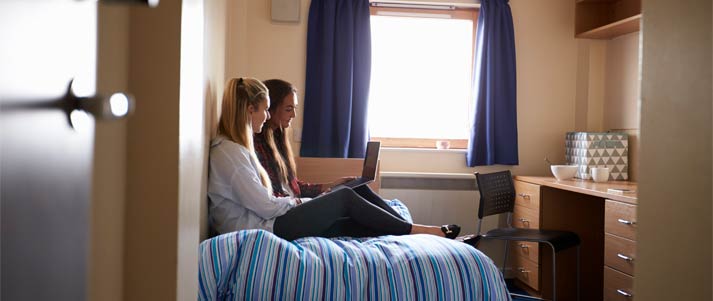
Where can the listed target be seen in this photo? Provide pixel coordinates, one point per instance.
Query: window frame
(457, 13)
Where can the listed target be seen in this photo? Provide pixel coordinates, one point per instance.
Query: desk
(605, 223)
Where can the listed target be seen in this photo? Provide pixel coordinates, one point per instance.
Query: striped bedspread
(257, 265)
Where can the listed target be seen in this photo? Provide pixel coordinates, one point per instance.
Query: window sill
(426, 175)
(422, 150)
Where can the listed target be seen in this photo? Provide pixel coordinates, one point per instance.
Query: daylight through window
(421, 77)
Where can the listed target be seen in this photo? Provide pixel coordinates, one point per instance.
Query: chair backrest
(497, 193)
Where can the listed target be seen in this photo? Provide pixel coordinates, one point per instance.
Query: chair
(497, 195)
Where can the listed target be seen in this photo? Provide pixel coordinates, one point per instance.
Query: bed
(257, 265)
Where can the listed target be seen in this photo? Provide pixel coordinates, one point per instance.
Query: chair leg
(554, 274)
(505, 260)
(578, 279)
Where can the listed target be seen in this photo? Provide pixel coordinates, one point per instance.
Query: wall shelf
(612, 30)
(606, 19)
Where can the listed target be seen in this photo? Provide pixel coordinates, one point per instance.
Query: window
(421, 74)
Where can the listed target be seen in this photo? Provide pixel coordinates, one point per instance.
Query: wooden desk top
(587, 187)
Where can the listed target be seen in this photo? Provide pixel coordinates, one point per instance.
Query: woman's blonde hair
(235, 123)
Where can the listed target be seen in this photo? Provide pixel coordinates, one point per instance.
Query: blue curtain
(493, 137)
(337, 84)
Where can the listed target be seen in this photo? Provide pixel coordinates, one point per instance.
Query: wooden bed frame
(325, 170)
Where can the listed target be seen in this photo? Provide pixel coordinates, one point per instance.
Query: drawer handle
(525, 249)
(524, 195)
(624, 293)
(625, 222)
(622, 256)
(522, 270)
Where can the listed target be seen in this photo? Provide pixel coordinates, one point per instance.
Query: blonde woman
(240, 193)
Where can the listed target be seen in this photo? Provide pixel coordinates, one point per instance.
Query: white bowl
(564, 172)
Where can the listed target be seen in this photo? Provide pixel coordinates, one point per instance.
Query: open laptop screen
(370, 160)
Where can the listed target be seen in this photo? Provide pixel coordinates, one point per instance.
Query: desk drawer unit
(525, 256)
(619, 250)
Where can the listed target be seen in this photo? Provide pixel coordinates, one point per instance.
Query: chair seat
(560, 240)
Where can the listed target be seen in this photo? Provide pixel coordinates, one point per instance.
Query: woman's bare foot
(423, 229)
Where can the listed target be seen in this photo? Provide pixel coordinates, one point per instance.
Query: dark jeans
(342, 212)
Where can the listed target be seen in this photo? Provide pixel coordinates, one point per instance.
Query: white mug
(443, 144)
(600, 174)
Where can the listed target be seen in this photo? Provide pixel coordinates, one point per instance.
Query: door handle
(115, 106)
(150, 3)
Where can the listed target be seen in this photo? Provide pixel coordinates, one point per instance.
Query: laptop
(368, 172)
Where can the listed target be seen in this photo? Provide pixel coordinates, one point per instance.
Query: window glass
(420, 77)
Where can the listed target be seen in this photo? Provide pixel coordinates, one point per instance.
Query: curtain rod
(423, 4)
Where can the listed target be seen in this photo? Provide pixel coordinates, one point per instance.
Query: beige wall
(152, 207)
(621, 101)
(591, 73)
(674, 215)
(622, 93)
(215, 65)
(608, 90)
(109, 184)
(547, 68)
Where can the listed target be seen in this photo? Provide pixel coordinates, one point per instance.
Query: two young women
(241, 191)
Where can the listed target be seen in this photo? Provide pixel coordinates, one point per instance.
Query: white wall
(192, 145)
(674, 213)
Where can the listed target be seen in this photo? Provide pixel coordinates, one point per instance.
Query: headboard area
(325, 170)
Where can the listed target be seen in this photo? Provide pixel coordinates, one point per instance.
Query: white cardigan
(237, 199)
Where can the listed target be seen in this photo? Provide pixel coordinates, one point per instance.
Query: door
(45, 165)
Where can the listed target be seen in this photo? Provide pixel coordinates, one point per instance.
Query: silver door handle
(150, 3)
(622, 256)
(524, 196)
(523, 270)
(102, 107)
(524, 246)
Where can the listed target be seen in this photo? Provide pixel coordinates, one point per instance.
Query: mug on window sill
(443, 144)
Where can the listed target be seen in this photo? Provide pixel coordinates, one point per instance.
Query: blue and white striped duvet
(257, 265)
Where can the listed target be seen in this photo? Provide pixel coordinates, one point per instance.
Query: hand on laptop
(328, 187)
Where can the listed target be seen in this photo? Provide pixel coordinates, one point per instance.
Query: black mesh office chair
(497, 195)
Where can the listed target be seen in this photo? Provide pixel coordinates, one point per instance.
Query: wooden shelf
(612, 30)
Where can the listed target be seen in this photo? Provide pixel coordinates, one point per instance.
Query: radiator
(436, 198)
